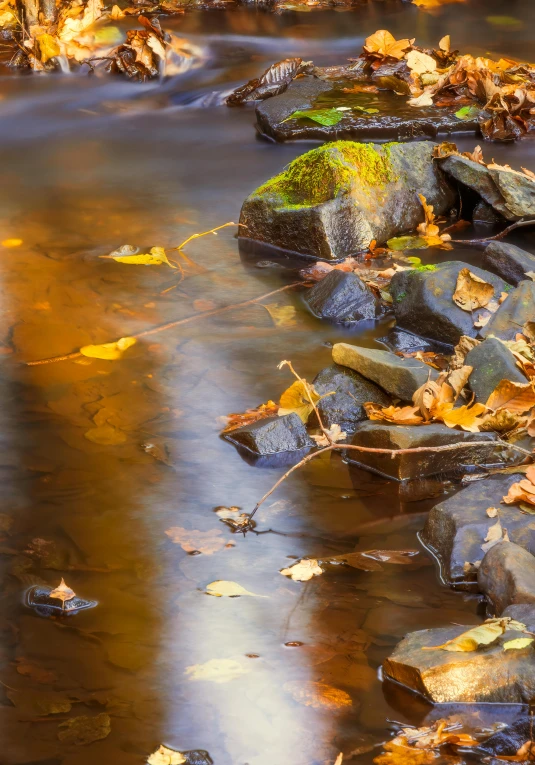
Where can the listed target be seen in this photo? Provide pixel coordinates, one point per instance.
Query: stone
(407, 342)
(489, 675)
(334, 200)
(513, 313)
(508, 261)
(492, 362)
(398, 376)
(508, 741)
(394, 120)
(342, 296)
(423, 301)
(522, 612)
(507, 576)
(517, 190)
(478, 178)
(401, 467)
(485, 213)
(351, 391)
(456, 528)
(272, 435)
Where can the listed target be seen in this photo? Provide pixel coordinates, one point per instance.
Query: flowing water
(90, 164)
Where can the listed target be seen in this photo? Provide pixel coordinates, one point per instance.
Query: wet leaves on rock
(483, 635)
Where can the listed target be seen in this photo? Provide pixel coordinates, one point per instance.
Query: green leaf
(467, 113)
(407, 243)
(504, 21)
(414, 261)
(368, 111)
(325, 117)
(517, 643)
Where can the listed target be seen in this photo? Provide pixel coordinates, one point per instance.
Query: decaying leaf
(165, 756)
(106, 435)
(217, 670)
(62, 592)
(108, 351)
(384, 44)
(405, 415)
(317, 695)
(371, 560)
(237, 420)
(222, 588)
(207, 542)
(297, 398)
(460, 351)
(283, 315)
(492, 512)
(517, 644)
(458, 378)
(495, 534)
(303, 571)
(515, 397)
(84, 730)
(334, 433)
(471, 292)
(523, 491)
(484, 634)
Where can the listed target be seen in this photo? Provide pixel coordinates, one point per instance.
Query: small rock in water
(272, 435)
(38, 598)
(507, 576)
(342, 296)
(508, 261)
(492, 362)
(517, 310)
(485, 213)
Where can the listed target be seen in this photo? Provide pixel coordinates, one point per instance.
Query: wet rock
(517, 190)
(485, 213)
(423, 301)
(280, 461)
(492, 362)
(394, 120)
(398, 376)
(38, 598)
(417, 465)
(513, 313)
(342, 296)
(334, 200)
(508, 261)
(508, 741)
(456, 528)
(351, 391)
(478, 178)
(522, 612)
(507, 576)
(272, 435)
(407, 342)
(489, 675)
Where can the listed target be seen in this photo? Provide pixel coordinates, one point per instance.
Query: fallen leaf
(36, 673)
(69, 28)
(62, 592)
(484, 634)
(11, 242)
(406, 415)
(283, 315)
(371, 560)
(48, 47)
(160, 452)
(163, 755)
(317, 695)
(492, 512)
(222, 588)
(398, 752)
(458, 378)
(108, 351)
(465, 417)
(39, 703)
(237, 420)
(445, 43)
(84, 730)
(495, 534)
(325, 117)
(385, 44)
(471, 292)
(467, 113)
(295, 399)
(207, 542)
(335, 434)
(515, 397)
(303, 571)
(517, 643)
(460, 351)
(426, 99)
(217, 670)
(419, 62)
(156, 257)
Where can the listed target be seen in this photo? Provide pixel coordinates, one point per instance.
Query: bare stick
(512, 227)
(179, 322)
(204, 233)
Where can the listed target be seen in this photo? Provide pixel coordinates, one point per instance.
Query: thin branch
(512, 227)
(204, 233)
(179, 322)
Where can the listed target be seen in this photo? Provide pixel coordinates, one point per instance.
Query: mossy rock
(334, 200)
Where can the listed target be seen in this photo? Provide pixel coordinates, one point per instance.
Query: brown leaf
(458, 378)
(502, 421)
(190, 540)
(237, 420)
(384, 44)
(464, 345)
(62, 592)
(317, 695)
(515, 397)
(35, 672)
(471, 292)
(406, 415)
(371, 560)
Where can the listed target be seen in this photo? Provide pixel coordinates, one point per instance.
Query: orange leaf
(515, 397)
(385, 44)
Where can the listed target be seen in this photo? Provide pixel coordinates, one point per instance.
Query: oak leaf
(471, 292)
(384, 44)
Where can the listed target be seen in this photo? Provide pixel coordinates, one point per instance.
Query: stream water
(90, 164)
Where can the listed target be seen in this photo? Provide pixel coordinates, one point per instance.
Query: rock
(456, 528)
(492, 362)
(398, 376)
(394, 120)
(272, 435)
(38, 598)
(342, 296)
(423, 301)
(351, 392)
(489, 675)
(508, 741)
(522, 612)
(485, 213)
(417, 465)
(508, 261)
(334, 200)
(478, 178)
(507, 576)
(517, 190)
(513, 313)
(407, 342)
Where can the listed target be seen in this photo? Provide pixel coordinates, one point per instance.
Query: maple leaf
(465, 417)
(515, 397)
(384, 44)
(471, 292)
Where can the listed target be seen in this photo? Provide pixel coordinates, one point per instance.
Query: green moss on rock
(323, 173)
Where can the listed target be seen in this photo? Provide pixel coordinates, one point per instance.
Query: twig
(179, 322)
(204, 233)
(512, 227)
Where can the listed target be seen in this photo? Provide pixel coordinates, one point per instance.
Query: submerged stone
(405, 466)
(398, 376)
(488, 675)
(38, 598)
(423, 301)
(492, 362)
(334, 200)
(456, 529)
(272, 435)
(508, 261)
(351, 391)
(507, 576)
(513, 313)
(342, 296)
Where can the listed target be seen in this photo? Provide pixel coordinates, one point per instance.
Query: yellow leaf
(464, 416)
(106, 435)
(7, 18)
(48, 47)
(217, 670)
(165, 756)
(108, 351)
(117, 13)
(62, 592)
(155, 257)
(515, 397)
(69, 28)
(303, 571)
(11, 242)
(420, 62)
(517, 643)
(495, 534)
(471, 292)
(470, 640)
(385, 44)
(282, 315)
(295, 399)
(445, 44)
(222, 588)
(318, 695)
(426, 99)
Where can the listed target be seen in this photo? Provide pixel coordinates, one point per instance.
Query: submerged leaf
(217, 670)
(165, 756)
(303, 571)
(325, 117)
(317, 695)
(108, 351)
(283, 315)
(222, 588)
(106, 435)
(84, 730)
(207, 542)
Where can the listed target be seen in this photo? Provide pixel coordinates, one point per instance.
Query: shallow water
(90, 164)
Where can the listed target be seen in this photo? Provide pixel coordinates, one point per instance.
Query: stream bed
(89, 164)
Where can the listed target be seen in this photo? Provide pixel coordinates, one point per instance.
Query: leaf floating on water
(165, 756)
(485, 634)
(303, 571)
(217, 670)
(156, 257)
(517, 643)
(325, 117)
(62, 592)
(84, 730)
(108, 351)
(207, 542)
(283, 315)
(318, 695)
(222, 588)
(471, 292)
(295, 399)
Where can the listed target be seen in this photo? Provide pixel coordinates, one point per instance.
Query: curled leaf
(62, 592)
(297, 398)
(385, 44)
(471, 292)
(515, 397)
(485, 634)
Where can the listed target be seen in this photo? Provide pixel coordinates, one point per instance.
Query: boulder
(406, 342)
(517, 190)
(513, 313)
(423, 300)
(478, 178)
(492, 362)
(485, 213)
(398, 376)
(400, 467)
(522, 612)
(272, 435)
(508, 261)
(507, 576)
(490, 674)
(351, 391)
(334, 200)
(342, 296)
(456, 528)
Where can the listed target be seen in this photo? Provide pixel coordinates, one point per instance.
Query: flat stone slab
(456, 528)
(508, 261)
(341, 296)
(489, 674)
(420, 464)
(513, 313)
(507, 576)
(398, 376)
(272, 435)
(492, 362)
